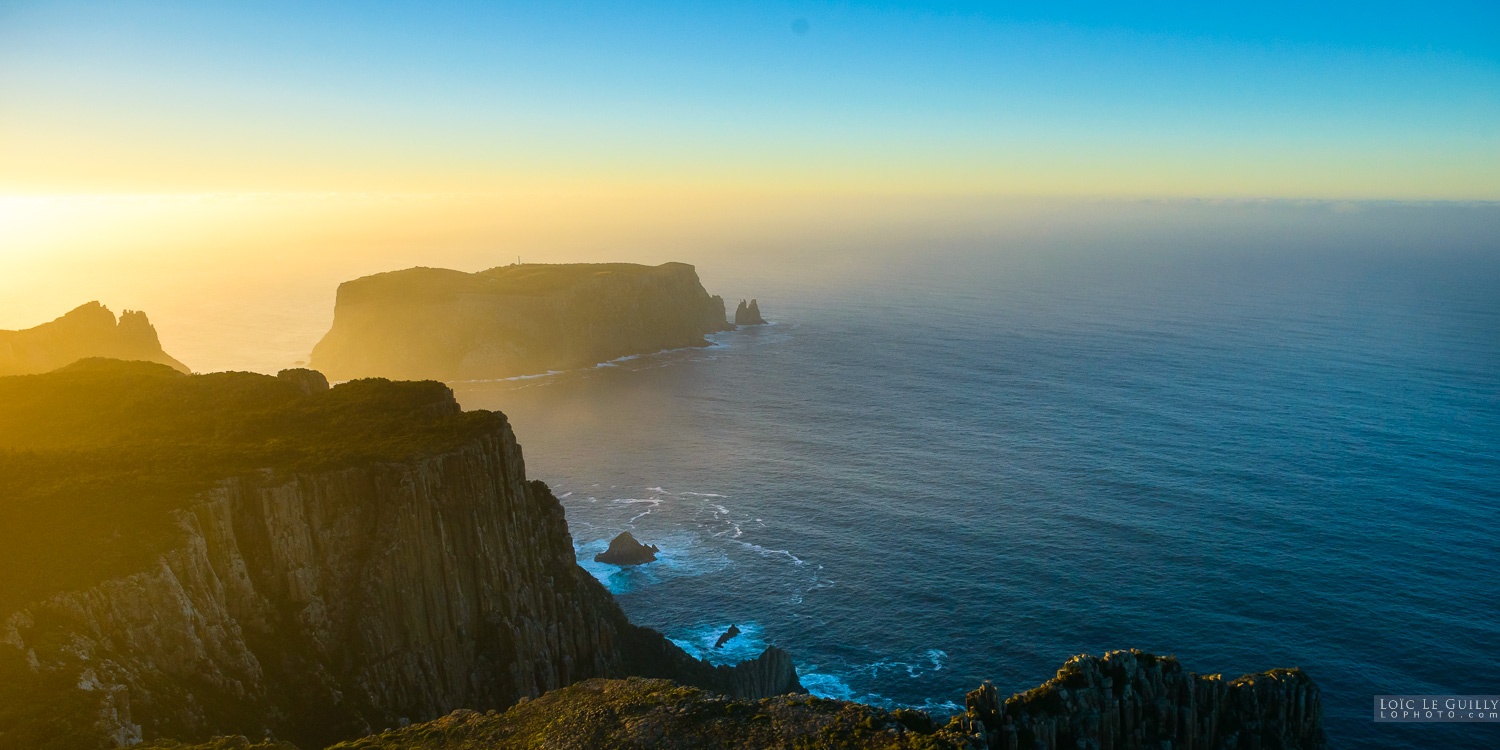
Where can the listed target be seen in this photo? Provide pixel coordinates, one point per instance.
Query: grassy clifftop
(96, 455)
(636, 714)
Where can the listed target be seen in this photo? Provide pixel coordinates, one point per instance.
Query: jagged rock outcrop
(321, 604)
(512, 320)
(1131, 699)
(748, 315)
(625, 550)
(87, 331)
(310, 382)
(728, 635)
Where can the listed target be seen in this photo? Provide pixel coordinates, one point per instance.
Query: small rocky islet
(624, 550)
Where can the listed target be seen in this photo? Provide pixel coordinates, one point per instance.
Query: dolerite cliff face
(1131, 699)
(513, 320)
(87, 331)
(322, 605)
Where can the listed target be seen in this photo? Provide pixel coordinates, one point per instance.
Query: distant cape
(440, 324)
(90, 330)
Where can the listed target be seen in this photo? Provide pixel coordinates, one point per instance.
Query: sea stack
(748, 315)
(625, 550)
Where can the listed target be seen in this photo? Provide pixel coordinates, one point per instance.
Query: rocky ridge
(1132, 699)
(1125, 699)
(89, 330)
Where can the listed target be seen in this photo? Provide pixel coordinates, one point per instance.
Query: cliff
(1124, 700)
(512, 320)
(267, 559)
(88, 331)
(1131, 699)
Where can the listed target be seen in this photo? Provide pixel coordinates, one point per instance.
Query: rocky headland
(513, 320)
(625, 550)
(89, 330)
(241, 554)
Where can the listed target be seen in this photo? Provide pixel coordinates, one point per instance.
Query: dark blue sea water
(968, 469)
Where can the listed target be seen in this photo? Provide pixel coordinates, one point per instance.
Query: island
(89, 330)
(523, 319)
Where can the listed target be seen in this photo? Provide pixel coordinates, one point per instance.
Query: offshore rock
(513, 320)
(625, 550)
(733, 631)
(1132, 699)
(87, 331)
(748, 315)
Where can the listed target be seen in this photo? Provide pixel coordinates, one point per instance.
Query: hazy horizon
(264, 293)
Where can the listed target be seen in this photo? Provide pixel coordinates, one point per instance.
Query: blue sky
(1279, 100)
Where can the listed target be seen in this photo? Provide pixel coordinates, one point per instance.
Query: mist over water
(976, 468)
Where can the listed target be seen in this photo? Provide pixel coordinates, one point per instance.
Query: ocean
(1253, 435)
(972, 471)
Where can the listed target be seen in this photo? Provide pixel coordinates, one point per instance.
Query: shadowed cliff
(187, 556)
(87, 331)
(512, 320)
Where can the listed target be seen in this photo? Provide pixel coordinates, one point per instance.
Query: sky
(1159, 100)
(225, 165)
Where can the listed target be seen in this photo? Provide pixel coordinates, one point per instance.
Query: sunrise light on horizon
(1350, 102)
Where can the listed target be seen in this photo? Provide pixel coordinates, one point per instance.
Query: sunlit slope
(513, 320)
(87, 331)
(95, 455)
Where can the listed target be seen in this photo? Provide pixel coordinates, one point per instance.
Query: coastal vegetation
(95, 456)
(636, 714)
